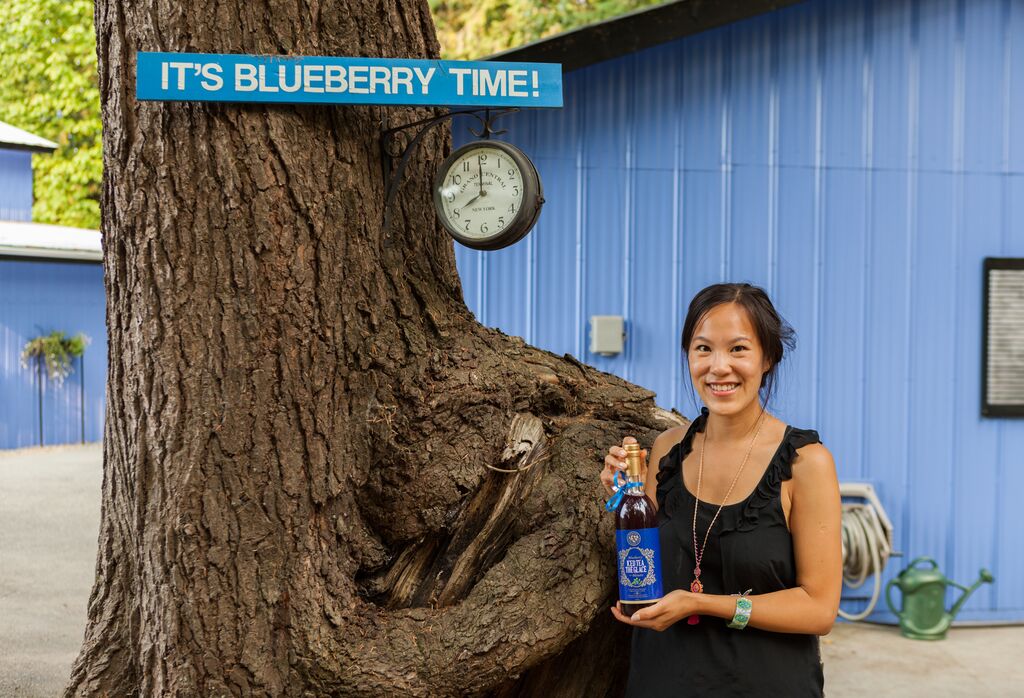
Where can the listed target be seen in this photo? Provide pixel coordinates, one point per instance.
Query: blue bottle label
(639, 552)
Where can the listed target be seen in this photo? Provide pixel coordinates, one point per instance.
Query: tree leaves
(48, 86)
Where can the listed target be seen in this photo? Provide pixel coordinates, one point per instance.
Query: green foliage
(48, 86)
(470, 29)
(55, 350)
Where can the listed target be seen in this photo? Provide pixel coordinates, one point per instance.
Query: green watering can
(924, 615)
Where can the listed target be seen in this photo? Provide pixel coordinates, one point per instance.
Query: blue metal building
(856, 158)
(16, 149)
(51, 279)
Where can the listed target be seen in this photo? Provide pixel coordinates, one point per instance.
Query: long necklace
(696, 586)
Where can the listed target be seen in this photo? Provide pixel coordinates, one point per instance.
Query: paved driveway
(49, 522)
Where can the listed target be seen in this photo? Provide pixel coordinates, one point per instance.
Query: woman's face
(726, 360)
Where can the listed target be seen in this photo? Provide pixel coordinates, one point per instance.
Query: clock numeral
(465, 166)
(482, 157)
(512, 208)
(483, 227)
(466, 221)
(499, 162)
(516, 190)
(511, 172)
(456, 179)
(501, 221)
(450, 196)
(455, 212)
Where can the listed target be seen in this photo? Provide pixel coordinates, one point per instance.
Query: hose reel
(867, 541)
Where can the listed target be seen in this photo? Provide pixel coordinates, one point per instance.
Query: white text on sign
(363, 80)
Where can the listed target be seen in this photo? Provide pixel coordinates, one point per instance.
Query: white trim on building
(20, 239)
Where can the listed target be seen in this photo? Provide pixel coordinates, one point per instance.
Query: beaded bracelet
(742, 615)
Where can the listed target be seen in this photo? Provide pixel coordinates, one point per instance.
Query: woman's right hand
(614, 462)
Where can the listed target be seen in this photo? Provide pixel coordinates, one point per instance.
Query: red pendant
(696, 588)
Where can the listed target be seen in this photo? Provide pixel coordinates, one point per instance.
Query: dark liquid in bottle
(635, 512)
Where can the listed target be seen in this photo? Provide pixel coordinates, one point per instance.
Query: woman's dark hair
(773, 333)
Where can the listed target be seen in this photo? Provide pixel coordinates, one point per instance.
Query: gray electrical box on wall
(607, 334)
(1002, 361)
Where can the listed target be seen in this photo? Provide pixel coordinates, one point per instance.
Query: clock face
(481, 192)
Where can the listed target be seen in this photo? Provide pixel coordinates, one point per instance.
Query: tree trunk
(303, 418)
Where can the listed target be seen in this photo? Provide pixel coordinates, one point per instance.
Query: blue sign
(214, 77)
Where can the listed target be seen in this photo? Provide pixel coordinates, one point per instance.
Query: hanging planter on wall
(55, 351)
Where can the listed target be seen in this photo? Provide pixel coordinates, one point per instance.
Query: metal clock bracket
(391, 148)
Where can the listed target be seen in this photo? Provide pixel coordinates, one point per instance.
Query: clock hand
(480, 170)
(472, 200)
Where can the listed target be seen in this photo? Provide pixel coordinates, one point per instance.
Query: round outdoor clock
(488, 195)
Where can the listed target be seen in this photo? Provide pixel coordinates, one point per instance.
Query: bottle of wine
(636, 538)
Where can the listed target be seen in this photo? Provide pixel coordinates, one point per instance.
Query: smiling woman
(748, 514)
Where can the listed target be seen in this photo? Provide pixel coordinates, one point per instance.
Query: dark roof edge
(636, 31)
(45, 150)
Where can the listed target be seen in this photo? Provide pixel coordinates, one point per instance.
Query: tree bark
(304, 421)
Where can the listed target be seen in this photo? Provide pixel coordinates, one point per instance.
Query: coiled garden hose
(867, 545)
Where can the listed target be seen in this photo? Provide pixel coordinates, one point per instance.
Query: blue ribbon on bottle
(620, 491)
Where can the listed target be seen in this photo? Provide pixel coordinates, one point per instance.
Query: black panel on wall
(1002, 355)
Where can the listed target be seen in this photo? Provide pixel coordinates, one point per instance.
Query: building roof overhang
(636, 31)
(14, 138)
(41, 241)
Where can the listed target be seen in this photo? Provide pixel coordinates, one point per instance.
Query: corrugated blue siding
(39, 297)
(15, 185)
(859, 160)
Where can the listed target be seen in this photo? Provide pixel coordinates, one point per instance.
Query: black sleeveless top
(750, 548)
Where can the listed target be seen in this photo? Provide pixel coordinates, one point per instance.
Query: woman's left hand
(673, 607)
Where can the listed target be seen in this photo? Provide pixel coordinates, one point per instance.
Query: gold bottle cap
(634, 460)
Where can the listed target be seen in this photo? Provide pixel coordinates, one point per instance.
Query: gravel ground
(49, 522)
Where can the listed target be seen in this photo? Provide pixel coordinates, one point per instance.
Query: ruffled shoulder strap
(670, 467)
(795, 440)
(780, 469)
